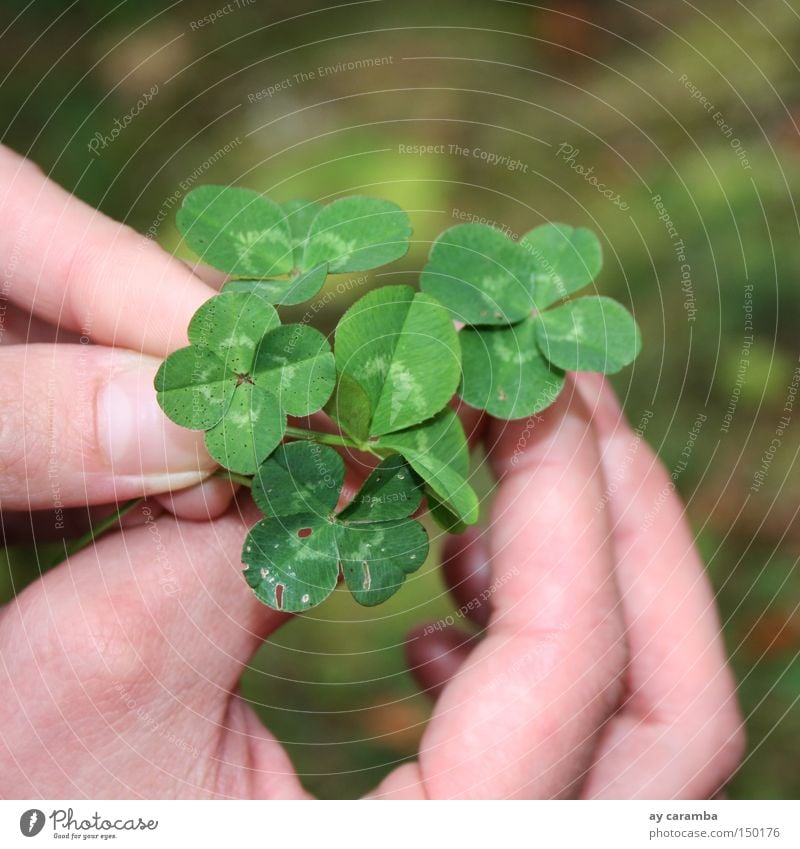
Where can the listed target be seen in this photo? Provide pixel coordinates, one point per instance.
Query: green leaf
(300, 477)
(377, 556)
(357, 233)
(388, 342)
(237, 231)
(232, 325)
(194, 387)
(564, 258)
(444, 518)
(289, 292)
(349, 407)
(438, 452)
(295, 364)
(293, 558)
(248, 432)
(292, 561)
(480, 275)
(299, 216)
(505, 373)
(589, 334)
(390, 492)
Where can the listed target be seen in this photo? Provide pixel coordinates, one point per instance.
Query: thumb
(81, 425)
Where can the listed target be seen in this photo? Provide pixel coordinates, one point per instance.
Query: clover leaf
(242, 374)
(294, 556)
(563, 260)
(237, 231)
(480, 275)
(505, 373)
(437, 451)
(246, 235)
(589, 334)
(398, 362)
(355, 234)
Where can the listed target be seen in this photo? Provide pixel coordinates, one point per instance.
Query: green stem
(99, 529)
(235, 477)
(324, 438)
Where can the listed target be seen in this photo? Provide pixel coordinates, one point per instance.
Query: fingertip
(204, 502)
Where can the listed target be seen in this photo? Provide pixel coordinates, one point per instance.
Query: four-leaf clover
(255, 240)
(294, 556)
(240, 377)
(515, 350)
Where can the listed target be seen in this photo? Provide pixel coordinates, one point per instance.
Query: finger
(75, 268)
(467, 572)
(18, 326)
(57, 525)
(679, 734)
(81, 425)
(434, 654)
(532, 696)
(200, 503)
(160, 626)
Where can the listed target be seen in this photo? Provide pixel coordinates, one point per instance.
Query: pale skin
(601, 672)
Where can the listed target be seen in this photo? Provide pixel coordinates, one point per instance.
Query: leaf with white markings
(257, 241)
(237, 231)
(589, 334)
(563, 260)
(357, 233)
(437, 451)
(505, 372)
(399, 350)
(480, 275)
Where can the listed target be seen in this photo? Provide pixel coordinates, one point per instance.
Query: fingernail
(137, 439)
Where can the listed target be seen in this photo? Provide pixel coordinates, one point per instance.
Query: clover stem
(99, 529)
(324, 438)
(235, 477)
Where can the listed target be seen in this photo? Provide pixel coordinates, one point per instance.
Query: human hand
(601, 672)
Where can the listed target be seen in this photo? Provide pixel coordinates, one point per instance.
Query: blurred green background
(699, 106)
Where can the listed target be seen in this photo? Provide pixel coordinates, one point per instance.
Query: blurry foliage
(519, 81)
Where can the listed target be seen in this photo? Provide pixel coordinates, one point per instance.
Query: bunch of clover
(398, 359)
